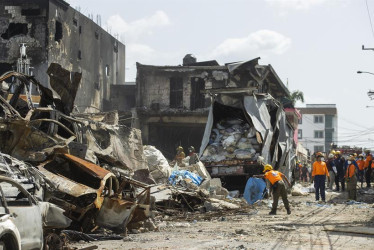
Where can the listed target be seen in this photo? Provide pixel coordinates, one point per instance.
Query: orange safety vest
(367, 160)
(351, 170)
(360, 164)
(273, 176)
(320, 169)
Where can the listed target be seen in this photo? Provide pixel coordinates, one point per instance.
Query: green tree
(295, 96)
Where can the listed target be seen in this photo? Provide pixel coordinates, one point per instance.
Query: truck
(244, 132)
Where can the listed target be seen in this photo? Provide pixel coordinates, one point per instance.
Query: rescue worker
(180, 155)
(277, 185)
(368, 167)
(361, 169)
(339, 164)
(194, 158)
(332, 169)
(304, 173)
(351, 178)
(319, 174)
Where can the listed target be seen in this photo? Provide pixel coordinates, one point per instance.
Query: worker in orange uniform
(368, 167)
(361, 169)
(351, 178)
(279, 189)
(319, 174)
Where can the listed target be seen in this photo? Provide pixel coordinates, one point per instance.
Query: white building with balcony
(318, 127)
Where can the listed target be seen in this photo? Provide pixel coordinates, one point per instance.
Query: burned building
(173, 102)
(51, 31)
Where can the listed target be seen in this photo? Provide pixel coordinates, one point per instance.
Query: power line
(371, 24)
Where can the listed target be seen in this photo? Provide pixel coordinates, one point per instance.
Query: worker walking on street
(351, 178)
(361, 169)
(277, 185)
(368, 167)
(319, 174)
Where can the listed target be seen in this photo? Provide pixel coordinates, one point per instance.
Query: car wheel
(8, 242)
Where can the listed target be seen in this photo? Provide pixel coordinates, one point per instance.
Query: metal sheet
(257, 110)
(207, 132)
(66, 185)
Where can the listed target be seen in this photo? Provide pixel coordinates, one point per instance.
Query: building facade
(318, 127)
(173, 102)
(52, 31)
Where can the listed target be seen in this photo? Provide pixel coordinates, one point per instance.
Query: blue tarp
(178, 175)
(254, 190)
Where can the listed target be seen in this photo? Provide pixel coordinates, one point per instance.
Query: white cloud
(259, 43)
(295, 4)
(133, 31)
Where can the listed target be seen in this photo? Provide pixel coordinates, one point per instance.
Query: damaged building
(36, 33)
(173, 101)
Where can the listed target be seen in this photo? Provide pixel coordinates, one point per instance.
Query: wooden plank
(356, 230)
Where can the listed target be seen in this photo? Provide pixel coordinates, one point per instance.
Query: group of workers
(339, 170)
(194, 158)
(336, 169)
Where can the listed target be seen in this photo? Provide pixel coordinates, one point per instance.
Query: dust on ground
(254, 228)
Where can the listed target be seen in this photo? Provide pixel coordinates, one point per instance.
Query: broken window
(80, 29)
(115, 46)
(107, 70)
(176, 92)
(15, 29)
(75, 22)
(197, 98)
(58, 31)
(79, 54)
(30, 12)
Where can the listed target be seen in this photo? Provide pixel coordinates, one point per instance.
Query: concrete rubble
(93, 171)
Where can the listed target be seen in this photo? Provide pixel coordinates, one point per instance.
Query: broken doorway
(197, 98)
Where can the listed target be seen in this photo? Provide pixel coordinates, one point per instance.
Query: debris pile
(232, 139)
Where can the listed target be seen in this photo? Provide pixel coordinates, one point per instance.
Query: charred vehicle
(92, 196)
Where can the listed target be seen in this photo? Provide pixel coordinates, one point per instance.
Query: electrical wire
(371, 24)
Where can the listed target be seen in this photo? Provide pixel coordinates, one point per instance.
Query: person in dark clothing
(332, 169)
(368, 167)
(339, 164)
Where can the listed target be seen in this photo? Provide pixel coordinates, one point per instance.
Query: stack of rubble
(232, 139)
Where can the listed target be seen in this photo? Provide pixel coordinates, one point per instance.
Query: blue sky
(314, 45)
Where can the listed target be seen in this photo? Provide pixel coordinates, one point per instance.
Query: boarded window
(58, 31)
(176, 92)
(197, 99)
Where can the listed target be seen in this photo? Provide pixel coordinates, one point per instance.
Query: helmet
(354, 154)
(337, 152)
(360, 155)
(179, 148)
(191, 148)
(331, 155)
(367, 150)
(319, 154)
(351, 157)
(333, 152)
(267, 167)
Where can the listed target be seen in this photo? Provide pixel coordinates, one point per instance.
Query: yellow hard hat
(337, 152)
(267, 167)
(180, 148)
(333, 152)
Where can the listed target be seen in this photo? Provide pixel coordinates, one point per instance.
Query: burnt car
(92, 196)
